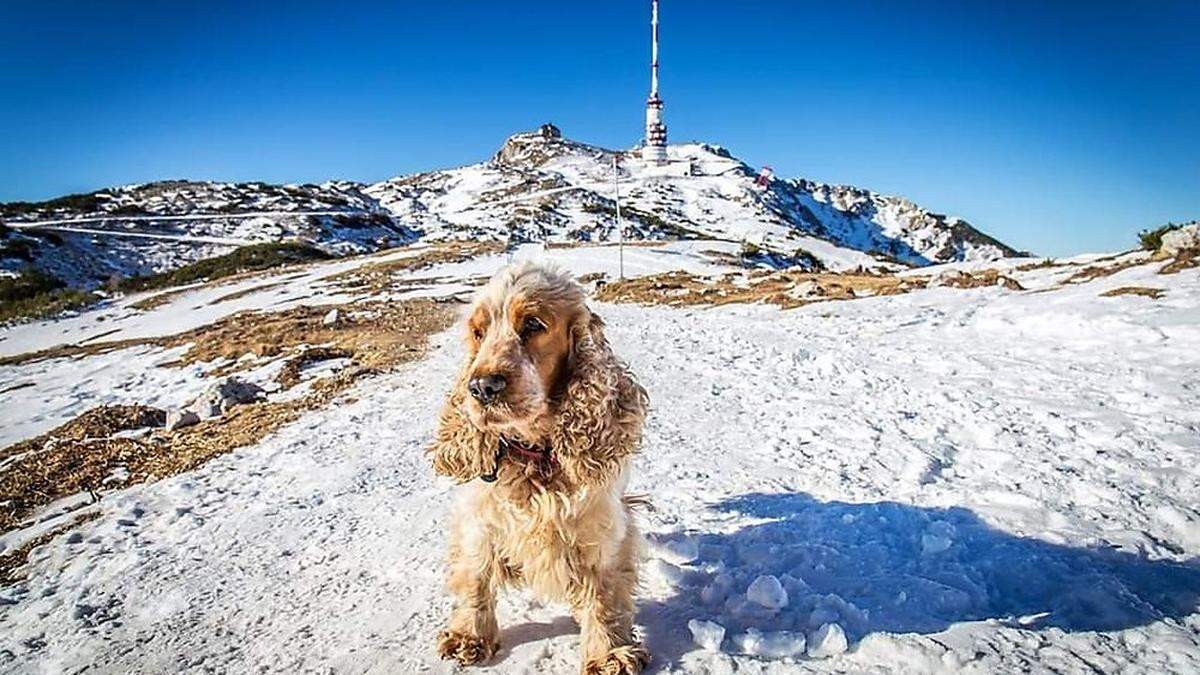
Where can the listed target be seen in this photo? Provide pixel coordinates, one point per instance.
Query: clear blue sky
(1058, 127)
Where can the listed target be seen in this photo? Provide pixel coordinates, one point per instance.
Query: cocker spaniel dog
(541, 425)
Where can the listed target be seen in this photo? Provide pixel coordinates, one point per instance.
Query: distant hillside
(538, 186)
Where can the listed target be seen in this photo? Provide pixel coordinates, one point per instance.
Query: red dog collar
(538, 454)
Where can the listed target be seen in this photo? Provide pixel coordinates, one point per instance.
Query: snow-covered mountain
(336, 216)
(538, 186)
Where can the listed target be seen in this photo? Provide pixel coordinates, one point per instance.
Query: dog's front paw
(468, 650)
(627, 660)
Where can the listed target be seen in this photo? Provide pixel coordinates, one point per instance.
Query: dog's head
(538, 371)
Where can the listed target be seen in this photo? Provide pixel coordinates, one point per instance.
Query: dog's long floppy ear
(460, 450)
(600, 418)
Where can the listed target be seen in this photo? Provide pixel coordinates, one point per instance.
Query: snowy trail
(972, 481)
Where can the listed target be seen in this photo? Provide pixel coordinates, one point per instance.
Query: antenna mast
(655, 149)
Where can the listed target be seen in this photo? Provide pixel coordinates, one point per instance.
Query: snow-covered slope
(705, 192)
(959, 481)
(336, 216)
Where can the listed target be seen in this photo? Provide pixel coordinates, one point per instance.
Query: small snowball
(768, 592)
(707, 634)
(828, 640)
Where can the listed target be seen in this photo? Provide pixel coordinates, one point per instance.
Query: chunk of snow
(828, 640)
(717, 591)
(707, 634)
(671, 573)
(678, 551)
(331, 317)
(772, 645)
(768, 592)
(937, 538)
(781, 644)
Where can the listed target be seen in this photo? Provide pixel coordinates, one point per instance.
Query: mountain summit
(703, 192)
(538, 186)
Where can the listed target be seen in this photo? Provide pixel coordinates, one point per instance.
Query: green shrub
(80, 203)
(27, 285)
(750, 249)
(250, 258)
(1152, 239)
(35, 295)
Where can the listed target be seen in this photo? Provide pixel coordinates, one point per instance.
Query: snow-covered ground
(945, 481)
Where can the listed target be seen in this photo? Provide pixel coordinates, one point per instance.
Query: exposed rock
(220, 397)
(1183, 239)
(178, 419)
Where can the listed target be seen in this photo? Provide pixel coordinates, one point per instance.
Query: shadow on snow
(903, 569)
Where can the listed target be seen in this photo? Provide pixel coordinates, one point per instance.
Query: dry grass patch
(1184, 260)
(289, 376)
(82, 455)
(380, 276)
(1040, 265)
(372, 333)
(159, 299)
(979, 279)
(246, 291)
(370, 330)
(786, 288)
(1093, 272)
(1152, 293)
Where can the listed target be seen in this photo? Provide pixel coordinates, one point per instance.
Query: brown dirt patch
(1153, 293)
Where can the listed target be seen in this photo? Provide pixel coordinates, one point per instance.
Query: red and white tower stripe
(655, 148)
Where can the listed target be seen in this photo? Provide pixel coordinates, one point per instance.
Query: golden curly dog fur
(540, 375)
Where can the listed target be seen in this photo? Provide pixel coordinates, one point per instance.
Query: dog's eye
(477, 333)
(530, 326)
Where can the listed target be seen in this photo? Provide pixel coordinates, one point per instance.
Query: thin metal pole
(620, 229)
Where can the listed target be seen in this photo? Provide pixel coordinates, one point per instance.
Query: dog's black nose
(487, 388)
